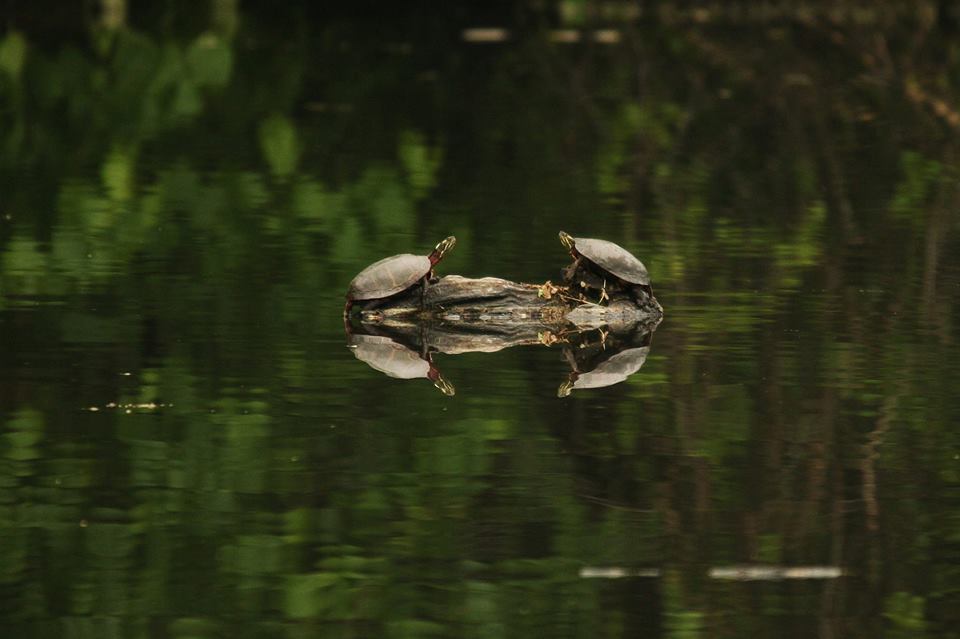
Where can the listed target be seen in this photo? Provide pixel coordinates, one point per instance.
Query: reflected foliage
(184, 199)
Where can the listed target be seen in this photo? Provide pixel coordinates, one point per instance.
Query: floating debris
(547, 290)
(548, 338)
(615, 572)
(488, 35)
(775, 573)
(734, 573)
(485, 35)
(128, 408)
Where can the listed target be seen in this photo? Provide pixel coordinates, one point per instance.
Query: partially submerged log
(456, 298)
(490, 302)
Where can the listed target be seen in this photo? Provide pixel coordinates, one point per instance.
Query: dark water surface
(188, 449)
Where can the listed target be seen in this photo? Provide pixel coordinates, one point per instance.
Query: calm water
(188, 448)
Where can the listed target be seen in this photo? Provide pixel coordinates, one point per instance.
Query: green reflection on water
(189, 450)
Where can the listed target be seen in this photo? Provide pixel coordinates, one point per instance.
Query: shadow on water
(187, 448)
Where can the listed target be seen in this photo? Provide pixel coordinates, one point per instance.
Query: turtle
(396, 360)
(604, 259)
(394, 274)
(609, 361)
(613, 370)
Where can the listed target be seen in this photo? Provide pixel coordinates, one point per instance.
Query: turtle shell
(388, 276)
(613, 258)
(614, 370)
(389, 357)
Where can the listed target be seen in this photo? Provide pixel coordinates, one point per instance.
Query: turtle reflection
(394, 359)
(598, 359)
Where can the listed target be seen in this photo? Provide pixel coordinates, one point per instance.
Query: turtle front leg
(603, 292)
(423, 288)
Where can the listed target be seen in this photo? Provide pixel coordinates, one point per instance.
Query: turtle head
(445, 387)
(566, 388)
(567, 240)
(441, 248)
